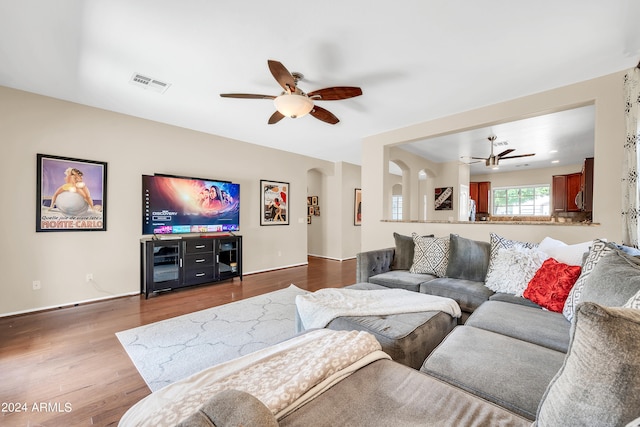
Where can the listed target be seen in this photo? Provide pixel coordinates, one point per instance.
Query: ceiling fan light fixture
(293, 105)
(492, 162)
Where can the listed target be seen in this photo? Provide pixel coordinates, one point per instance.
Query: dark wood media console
(167, 264)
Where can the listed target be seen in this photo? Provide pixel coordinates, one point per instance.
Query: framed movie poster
(444, 199)
(274, 199)
(71, 194)
(357, 207)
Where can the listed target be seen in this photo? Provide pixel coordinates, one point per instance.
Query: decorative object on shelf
(274, 199)
(316, 211)
(444, 199)
(357, 207)
(71, 194)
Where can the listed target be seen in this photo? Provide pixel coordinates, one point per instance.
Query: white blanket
(283, 377)
(319, 308)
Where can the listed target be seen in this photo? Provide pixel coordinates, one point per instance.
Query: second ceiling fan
(494, 160)
(293, 102)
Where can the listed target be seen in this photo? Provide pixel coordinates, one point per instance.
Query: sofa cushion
(403, 256)
(430, 255)
(598, 382)
(467, 293)
(551, 284)
(529, 324)
(613, 280)
(385, 393)
(598, 249)
(401, 279)
(507, 371)
(510, 298)
(232, 408)
(468, 259)
(513, 268)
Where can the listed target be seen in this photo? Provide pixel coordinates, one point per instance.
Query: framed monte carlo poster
(71, 194)
(274, 202)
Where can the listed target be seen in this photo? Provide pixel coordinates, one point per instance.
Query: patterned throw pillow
(430, 255)
(634, 302)
(598, 250)
(513, 268)
(497, 243)
(551, 284)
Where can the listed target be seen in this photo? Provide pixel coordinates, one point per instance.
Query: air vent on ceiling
(500, 143)
(149, 83)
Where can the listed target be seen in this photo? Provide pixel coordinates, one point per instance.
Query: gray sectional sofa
(508, 349)
(509, 363)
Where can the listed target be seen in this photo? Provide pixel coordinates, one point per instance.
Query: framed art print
(274, 199)
(357, 207)
(444, 199)
(71, 194)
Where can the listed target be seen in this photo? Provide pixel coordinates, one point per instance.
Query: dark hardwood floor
(66, 367)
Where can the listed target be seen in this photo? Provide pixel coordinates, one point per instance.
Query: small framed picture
(71, 194)
(314, 200)
(444, 199)
(308, 219)
(274, 199)
(357, 207)
(311, 210)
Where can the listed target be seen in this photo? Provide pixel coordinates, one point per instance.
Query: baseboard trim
(333, 258)
(68, 305)
(275, 268)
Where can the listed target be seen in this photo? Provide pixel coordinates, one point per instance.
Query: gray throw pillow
(232, 408)
(598, 383)
(613, 280)
(468, 259)
(403, 254)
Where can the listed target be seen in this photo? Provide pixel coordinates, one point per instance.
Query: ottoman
(408, 337)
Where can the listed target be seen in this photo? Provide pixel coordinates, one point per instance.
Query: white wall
(605, 92)
(31, 124)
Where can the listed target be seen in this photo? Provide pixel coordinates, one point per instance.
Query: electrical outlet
(37, 285)
(89, 277)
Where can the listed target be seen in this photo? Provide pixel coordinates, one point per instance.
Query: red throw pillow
(551, 284)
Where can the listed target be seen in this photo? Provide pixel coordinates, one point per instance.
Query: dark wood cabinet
(572, 190)
(566, 188)
(172, 264)
(480, 193)
(559, 193)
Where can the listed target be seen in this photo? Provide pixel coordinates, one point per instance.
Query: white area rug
(172, 349)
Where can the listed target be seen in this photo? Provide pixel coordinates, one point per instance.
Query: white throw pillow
(499, 242)
(514, 268)
(430, 255)
(564, 253)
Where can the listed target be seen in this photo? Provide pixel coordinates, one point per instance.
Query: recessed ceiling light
(553, 151)
(555, 161)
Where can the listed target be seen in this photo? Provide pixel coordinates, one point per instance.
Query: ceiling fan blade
(505, 152)
(282, 75)
(335, 93)
(520, 155)
(478, 158)
(246, 96)
(276, 117)
(324, 115)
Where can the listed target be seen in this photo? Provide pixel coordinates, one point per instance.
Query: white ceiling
(415, 60)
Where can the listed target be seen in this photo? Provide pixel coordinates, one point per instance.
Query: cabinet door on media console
(229, 257)
(161, 266)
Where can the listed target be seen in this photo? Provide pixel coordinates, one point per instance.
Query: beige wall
(333, 234)
(31, 124)
(605, 92)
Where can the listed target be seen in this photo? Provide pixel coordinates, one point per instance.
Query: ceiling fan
(293, 102)
(494, 160)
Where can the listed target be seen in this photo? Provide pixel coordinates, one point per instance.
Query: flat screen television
(174, 205)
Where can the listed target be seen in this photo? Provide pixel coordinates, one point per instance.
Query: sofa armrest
(373, 262)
